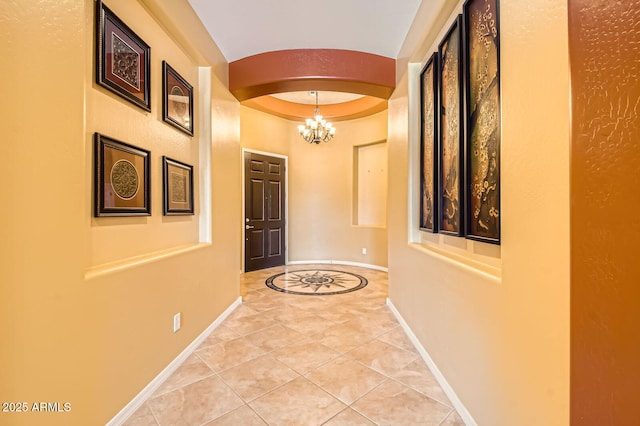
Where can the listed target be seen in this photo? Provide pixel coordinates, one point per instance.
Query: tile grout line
(263, 394)
(453, 410)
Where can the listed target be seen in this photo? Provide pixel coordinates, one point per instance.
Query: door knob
(249, 227)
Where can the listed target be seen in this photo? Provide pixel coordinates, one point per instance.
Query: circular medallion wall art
(124, 179)
(316, 282)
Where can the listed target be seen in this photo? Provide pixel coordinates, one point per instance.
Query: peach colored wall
(497, 330)
(45, 307)
(320, 199)
(370, 192)
(80, 329)
(263, 132)
(321, 196)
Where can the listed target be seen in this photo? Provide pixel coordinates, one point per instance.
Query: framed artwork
(177, 100)
(482, 75)
(451, 201)
(178, 187)
(122, 178)
(429, 145)
(122, 59)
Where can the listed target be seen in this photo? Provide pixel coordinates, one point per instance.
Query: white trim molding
(446, 387)
(204, 148)
(145, 393)
(338, 262)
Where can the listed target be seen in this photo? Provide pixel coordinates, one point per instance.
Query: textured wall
(605, 229)
(44, 305)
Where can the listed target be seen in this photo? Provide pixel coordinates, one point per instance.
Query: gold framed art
(122, 178)
(178, 187)
(122, 59)
(177, 100)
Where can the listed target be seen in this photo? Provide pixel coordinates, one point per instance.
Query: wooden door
(264, 244)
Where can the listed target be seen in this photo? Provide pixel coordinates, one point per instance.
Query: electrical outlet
(176, 322)
(364, 250)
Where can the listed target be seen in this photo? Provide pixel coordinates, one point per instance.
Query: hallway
(287, 359)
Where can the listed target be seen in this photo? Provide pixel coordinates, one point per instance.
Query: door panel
(257, 194)
(274, 169)
(275, 189)
(275, 248)
(257, 166)
(264, 211)
(256, 244)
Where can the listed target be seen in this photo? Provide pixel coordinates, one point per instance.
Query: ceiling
(324, 97)
(243, 28)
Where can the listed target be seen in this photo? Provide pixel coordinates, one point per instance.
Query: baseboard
(339, 262)
(306, 262)
(139, 399)
(448, 390)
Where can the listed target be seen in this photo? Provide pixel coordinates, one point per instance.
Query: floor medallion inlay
(316, 282)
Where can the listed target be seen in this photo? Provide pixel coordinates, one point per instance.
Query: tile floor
(284, 359)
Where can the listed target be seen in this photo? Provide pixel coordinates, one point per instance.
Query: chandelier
(316, 129)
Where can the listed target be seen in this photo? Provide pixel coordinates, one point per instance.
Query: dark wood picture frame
(177, 180)
(122, 178)
(482, 79)
(429, 118)
(177, 100)
(451, 157)
(122, 59)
